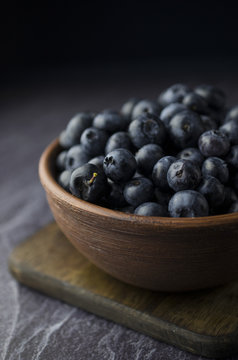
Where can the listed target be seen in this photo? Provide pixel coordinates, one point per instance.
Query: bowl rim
(50, 185)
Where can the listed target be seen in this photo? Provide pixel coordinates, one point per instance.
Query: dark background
(133, 48)
(60, 33)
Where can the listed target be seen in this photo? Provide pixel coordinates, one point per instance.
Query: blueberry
(76, 157)
(61, 160)
(74, 129)
(146, 158)
(159, 173)
(208, 123)
(118, 140)
(195, 103)
(213, 190)
(147, 129)
(232, 114)
(128, 107)
(173, 94)
(98, 161)
(88, 183)
(94, 140)
(169, 111)
(188, 203)
(78, 124)
(230, 197)
(230, 129)
(144, 107)
(139, 190)
(233, 208)
(64, 179)
(162, 197)
(109, 120)
(185, 129)
(213, 143)
(64, 140)
(183, 175)
(151, 209)
(216, 167)
(214, 97)
(232, 157)
(114, 197)
(192, 154)
(120, 165)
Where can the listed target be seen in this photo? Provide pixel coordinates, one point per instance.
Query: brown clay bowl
(166, 254)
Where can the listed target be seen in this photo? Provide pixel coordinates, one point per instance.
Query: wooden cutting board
(202, 322)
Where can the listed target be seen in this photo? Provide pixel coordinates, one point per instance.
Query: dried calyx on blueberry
(175, 156)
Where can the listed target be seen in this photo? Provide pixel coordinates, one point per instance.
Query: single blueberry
(147, 129)
(214, 96)
(144, 107)
(61, 161)
(183, 175)
(213, 190)
(159, 172)
(213, 143)
(98, 161)
(216, 167)
(110, 121)
(65, 140)
(77, 125)
(88, 183)
(173, 94)
(128, 107)
(185, 129)
(169, 111)
(230, 129)
(119, 165)
(232, 157)
(192, 154)
(146, 158)
(118, 140)
(163, 197)
(72, 134)
(94, 140)
(64, 179)
(195, 103)
(209, 123)
(232, 114)
(76, 157)
(151, 209)
(139, 190)
(188, 203)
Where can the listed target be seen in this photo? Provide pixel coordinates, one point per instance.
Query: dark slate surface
(32, 113)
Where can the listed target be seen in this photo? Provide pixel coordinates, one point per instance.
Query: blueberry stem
(92, 178)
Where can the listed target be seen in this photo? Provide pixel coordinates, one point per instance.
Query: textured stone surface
(33, 326)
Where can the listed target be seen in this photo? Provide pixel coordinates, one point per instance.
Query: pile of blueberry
(177, 156)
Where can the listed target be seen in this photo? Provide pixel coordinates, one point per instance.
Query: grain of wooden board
(202, 322)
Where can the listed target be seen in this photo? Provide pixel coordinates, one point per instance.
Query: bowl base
(203, 322)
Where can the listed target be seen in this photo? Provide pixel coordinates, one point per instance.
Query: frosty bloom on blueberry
(175, 156)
